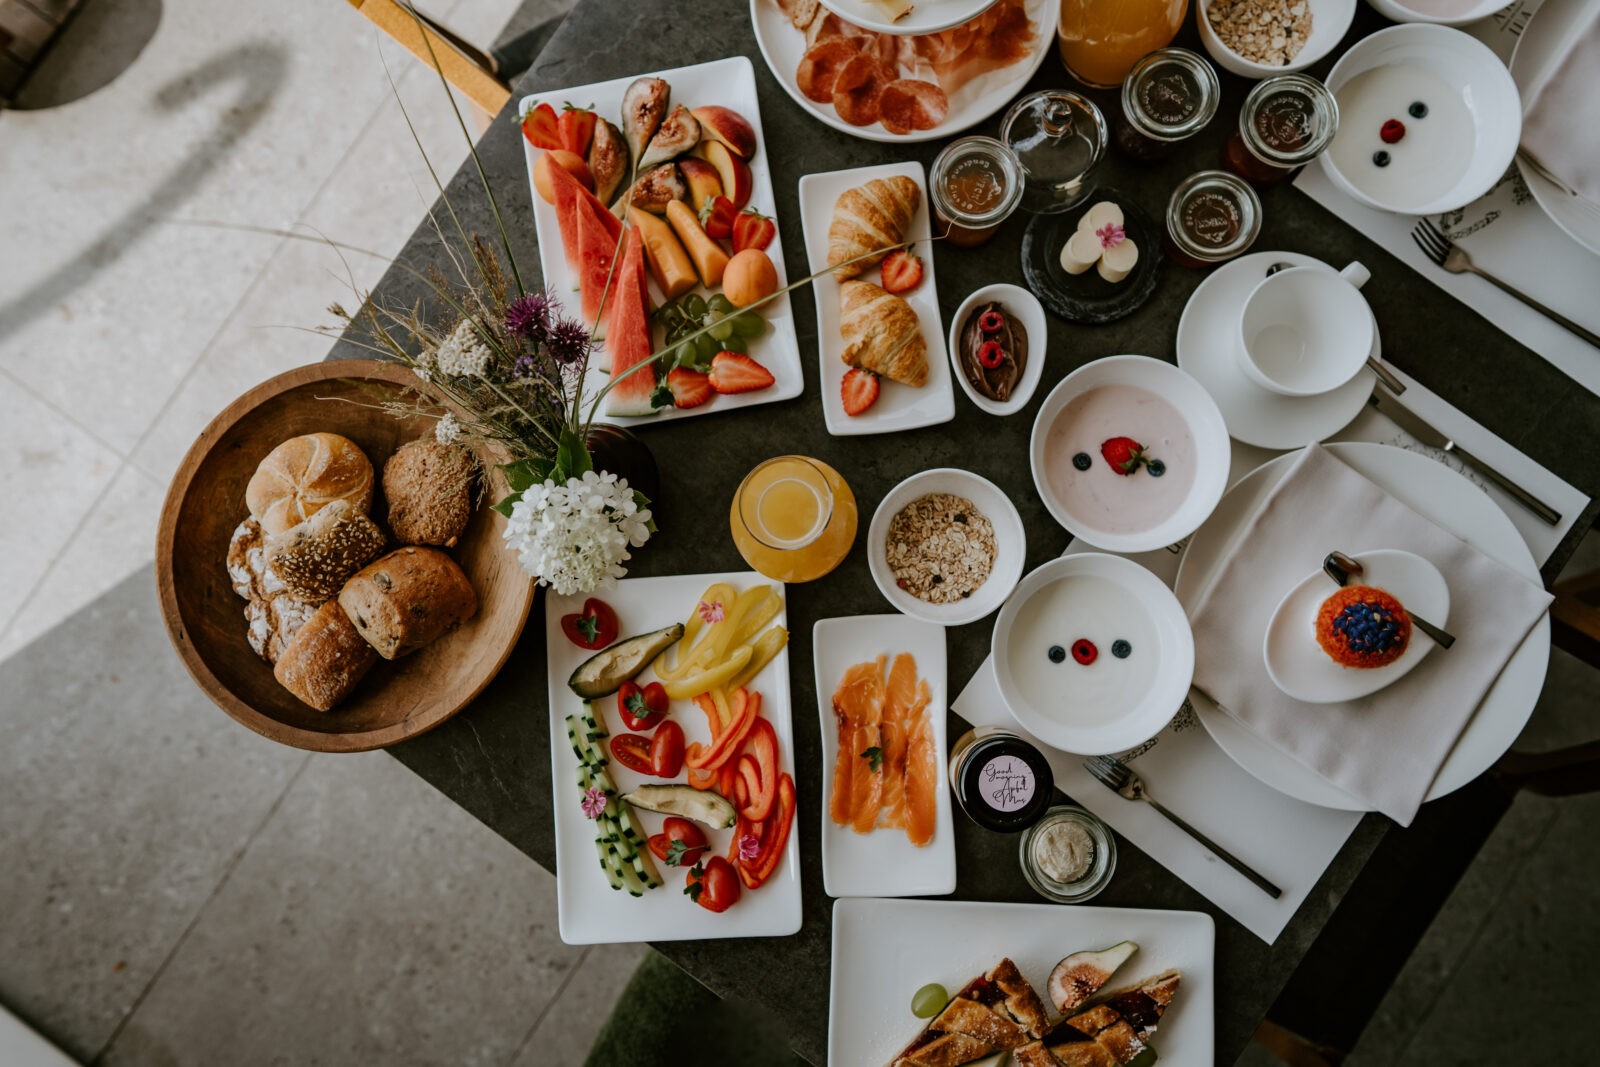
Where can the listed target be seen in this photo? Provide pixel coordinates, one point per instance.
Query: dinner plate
(1206, 336)
(782, 46)
(885, 950)
(730, 83)
(899, 407)
(1440, 495)
(588, 911)
(1547, 29)
(883, 863)
(925, 16)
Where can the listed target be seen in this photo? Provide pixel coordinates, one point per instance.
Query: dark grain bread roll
(429, 489)
(407, 599)
(325, 660)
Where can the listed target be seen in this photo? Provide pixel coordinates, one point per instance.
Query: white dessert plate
(1548, 28)
(588, 911)
(730, 83)
(1297, 664)
(1207, 334)
(1114, 702)
(1025, 308)
(782, 46)
(899, 407)
(1440, 495)
(883, 863)
(1010, 545)
(925, 16)
(885, 950)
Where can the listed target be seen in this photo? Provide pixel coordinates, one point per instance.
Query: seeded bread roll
(407, 599)
(305, 474)
(429, 489)
(326, 659)
(316, 558)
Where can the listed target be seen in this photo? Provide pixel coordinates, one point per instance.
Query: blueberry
(1082, 461)
(1380, 159)
(1156, 468)
(1057, 654)
(1418, 110)
(1121, 649)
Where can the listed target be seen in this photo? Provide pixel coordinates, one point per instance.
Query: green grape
(686, 354)
(722, 329)
(749, 325)
(929, 1001)
(707, 346)
(694, 306)
(736, 344)
(722, 305)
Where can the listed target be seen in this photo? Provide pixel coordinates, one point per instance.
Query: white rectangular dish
(883, 863)
(899, 407)
(885, 950)
(588, 910)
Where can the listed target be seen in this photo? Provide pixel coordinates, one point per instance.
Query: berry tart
(1363, 626)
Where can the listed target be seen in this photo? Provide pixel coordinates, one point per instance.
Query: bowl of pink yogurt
(1130, 453)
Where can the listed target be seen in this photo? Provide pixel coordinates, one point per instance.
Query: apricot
(749, 276)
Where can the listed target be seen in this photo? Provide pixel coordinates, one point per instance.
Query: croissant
(882, 334)
(868, 218)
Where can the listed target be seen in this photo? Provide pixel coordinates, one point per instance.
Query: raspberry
(1084, 652)
(1392, 131)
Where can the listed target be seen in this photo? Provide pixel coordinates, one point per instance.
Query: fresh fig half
(1080, 976)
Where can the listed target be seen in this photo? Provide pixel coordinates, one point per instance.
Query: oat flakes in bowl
(940, 548)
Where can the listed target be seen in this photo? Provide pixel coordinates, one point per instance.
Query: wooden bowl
(205, 617)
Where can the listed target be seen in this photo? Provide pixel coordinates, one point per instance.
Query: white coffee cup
(1305, 330)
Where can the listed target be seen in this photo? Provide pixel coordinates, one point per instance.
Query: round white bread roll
(304, 475)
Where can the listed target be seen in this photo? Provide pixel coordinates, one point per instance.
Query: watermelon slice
(628, 335)
(597, 286)
(589, 235)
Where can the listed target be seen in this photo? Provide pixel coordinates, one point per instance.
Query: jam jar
(1212, 217)
(1286, 122)
(1001, 781)
(975, 185)
(1168, 96)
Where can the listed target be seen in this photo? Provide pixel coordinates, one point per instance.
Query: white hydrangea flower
(575, 537)
(447, 431)
(463, 354)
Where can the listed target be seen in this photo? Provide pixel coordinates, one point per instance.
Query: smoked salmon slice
(921, 783)
(899, 694)
(856, 704)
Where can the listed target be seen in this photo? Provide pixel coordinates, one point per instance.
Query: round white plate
(782, 46)
(925, 16)
(1440, 495)
(1029, 313)
(1549, 26)
(1207, 333)
(1297, 664)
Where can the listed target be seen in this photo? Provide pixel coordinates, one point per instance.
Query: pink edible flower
(594, 801)
(712, 612)
(1111, 235)
(749, 847)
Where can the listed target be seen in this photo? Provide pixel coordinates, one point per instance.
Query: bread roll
(304, 475)
(429, 489)
(273, 614)
(868, 218)
(325, 660)
(316, 558)
(882, 334)
(407, 599)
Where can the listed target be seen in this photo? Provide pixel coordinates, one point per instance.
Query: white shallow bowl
(1169, 665)
(1329, 21)
(1011, 545)
(1400, 13)
(1467, 65)
(1029, 313)
(1212, 451)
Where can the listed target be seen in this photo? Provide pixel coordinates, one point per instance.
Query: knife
(1413, 424)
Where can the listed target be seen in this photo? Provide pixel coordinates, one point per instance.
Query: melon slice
(628, 335)
(597, 286)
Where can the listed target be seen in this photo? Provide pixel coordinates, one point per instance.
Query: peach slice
(570, 162)
(703, 179)
(737, 184)
(727, 126)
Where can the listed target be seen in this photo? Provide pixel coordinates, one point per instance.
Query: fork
(1115, 775)
(1449, 255)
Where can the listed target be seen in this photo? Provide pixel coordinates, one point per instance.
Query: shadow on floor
(101, 41)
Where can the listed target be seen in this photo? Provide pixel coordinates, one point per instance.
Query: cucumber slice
(604, 672)
(613, 873)
(701, 805)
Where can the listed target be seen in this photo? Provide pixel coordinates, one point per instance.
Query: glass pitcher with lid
(1060, 138)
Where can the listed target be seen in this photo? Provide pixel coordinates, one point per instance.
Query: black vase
(617, 450)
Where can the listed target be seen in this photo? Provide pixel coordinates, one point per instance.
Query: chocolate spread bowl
(1026, 318)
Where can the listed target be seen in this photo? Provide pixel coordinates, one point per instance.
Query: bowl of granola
(946, 546)
(1260, 38)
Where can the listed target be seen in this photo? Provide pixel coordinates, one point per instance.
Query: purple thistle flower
(528, 316)
(567, 341)
(523, 367)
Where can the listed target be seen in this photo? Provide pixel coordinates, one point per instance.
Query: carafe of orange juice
(1100, 40)
(793, 518)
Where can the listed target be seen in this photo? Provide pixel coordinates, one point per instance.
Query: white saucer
(1295, 661)
(1256, 416)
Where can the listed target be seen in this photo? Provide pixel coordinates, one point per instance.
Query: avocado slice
(701, 805)
(604, 672)
(1080, 976)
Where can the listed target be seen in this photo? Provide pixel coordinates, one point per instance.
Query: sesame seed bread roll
(407, 599)
(304, 475)
(325, 660)
(316, 558)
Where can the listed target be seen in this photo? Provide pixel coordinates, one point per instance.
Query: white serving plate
(899, 407)
(588, 910)
(1029, 313)
(925, 16)
(1547, 29)
(885, 950)
(731, 83)
(883, 863)
(1441, 495)
(782, 46)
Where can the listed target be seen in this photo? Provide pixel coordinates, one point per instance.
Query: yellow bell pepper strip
(695, 684)
(765, 647)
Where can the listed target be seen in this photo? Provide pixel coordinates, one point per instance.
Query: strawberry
(576, 128)
(902, 271)
(541, 127)
(1124, 454)
(752, 229)
(718, 216)
(690, 388)
(860, 390)
(732, 372)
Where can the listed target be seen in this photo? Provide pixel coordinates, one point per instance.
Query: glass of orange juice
(1101, 40)
(793, 518)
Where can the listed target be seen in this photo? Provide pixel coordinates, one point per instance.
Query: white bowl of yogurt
(1458, 112)
(1175, 480)
(1443, 12)
(1093, 654)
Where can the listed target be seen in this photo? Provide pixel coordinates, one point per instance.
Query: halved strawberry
(752, 229)
(718, 216)
(860, 390)
(1124, 454)
(902, 271)
(576, 128)
(690, 388)
(732, 372)
(541, 127)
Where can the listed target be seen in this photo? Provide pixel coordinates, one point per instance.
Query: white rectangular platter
(590, 911)
(885, 950)
(899, 407)
(883, 863)
(730, 83)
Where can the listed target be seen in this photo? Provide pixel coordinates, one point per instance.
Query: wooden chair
(470, 69)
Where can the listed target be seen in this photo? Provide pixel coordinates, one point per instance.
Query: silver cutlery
(1449, 255)
(1385, 375)
(1115, 775)
(1423, 431)
(1341, 568)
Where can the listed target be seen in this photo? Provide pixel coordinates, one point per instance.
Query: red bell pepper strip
(701, 779)
(760, 756)
(773, 848)
(746, 713)
(725, 779)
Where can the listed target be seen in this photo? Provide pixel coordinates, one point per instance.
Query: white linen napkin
(1387, 748)
(1555, 131)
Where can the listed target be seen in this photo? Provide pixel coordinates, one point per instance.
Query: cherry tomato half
(594, 627)
(632, 751)
(713, 885)
(679, 844)
(642, 709)
(666, 751)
